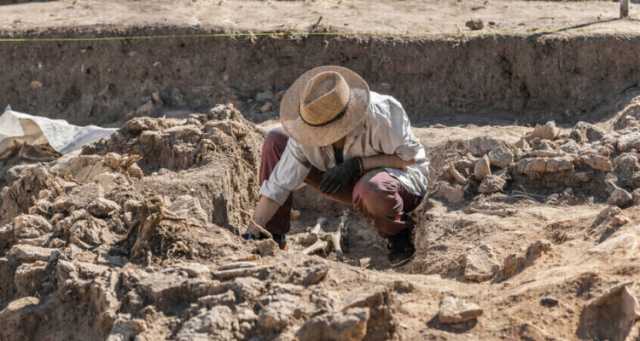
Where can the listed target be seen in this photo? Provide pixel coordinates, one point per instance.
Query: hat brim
(334, 131)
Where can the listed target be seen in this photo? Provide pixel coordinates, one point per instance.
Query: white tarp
(17, 127)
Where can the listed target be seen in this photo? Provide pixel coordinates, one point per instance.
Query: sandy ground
(138, 238)
(115, 247)
(411, 17)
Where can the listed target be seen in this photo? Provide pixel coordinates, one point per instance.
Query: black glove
(341, 176)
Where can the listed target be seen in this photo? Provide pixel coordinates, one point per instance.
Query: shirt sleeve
(289, 174)
(393, 132)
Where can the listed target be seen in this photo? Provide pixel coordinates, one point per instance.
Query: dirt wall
(526, 78)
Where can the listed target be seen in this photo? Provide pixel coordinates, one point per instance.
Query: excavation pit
(139, 236)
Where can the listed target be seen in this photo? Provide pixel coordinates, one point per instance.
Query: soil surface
(391, 17)
(527, 234)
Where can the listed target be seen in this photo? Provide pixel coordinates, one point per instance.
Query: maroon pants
(377, 195)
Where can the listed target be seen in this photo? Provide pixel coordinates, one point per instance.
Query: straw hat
(324, 105)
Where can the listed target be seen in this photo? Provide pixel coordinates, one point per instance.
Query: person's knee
(374, 198)
(275, 142)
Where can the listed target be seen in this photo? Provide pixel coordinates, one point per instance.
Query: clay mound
(98, 209)
(179, 144)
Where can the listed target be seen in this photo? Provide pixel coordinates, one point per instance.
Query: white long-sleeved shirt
(385, 130)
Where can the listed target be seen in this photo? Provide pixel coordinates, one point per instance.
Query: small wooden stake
(624, 8)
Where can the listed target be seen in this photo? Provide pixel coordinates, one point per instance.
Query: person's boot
(401, 248)
(281, 239)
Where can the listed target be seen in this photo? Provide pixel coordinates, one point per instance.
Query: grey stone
(492, 184)
(27, 226)
(217, 324)
(481, 145)
(267, 247)
(277, 315)
(501, 157)
(456, 310)
(193, 269)
(610, 316)
(597, 162)
(636, 196)
(620, 197)
(548, 131)
(474, 24)
(350, 325)
(29, 277)
(629, 141)
(452, 194)
(227, 298)
(480, 265)
(541, 165)
(626, 166)
(586, 132)
(101, 207)
(311, 274)
(29, 253)
(482, 168)
(570, 147)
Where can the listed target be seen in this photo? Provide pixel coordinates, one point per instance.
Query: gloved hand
(341, 176)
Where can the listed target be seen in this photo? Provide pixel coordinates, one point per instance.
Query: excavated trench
(483, 79)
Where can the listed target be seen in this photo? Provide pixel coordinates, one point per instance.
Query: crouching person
(354, 146)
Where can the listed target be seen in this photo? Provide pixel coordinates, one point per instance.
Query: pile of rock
(585, 160)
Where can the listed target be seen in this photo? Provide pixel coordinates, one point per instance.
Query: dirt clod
(475, 24)
(549, 301)
(456, 310)
(350, 325)
(610, 316)
(547, 131)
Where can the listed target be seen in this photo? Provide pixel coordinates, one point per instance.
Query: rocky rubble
(138, 237)
(587, 160)
(525, 216)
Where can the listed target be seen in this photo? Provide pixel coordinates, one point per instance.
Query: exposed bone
(328, 241)
(337, 237)
(237, 265)
(319, 245)
(233, 273)
(316, 231)
(500, 212)
(243, 259)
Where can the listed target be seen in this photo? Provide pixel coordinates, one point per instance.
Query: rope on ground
(250, 35)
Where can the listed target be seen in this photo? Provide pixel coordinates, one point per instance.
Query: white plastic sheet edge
(17, 127)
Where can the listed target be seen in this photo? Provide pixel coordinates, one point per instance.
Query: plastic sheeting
(20, 128)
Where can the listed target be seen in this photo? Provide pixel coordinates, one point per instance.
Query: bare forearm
(265, 210)
(385, 161)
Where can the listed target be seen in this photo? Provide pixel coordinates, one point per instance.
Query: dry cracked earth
(529, 233)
